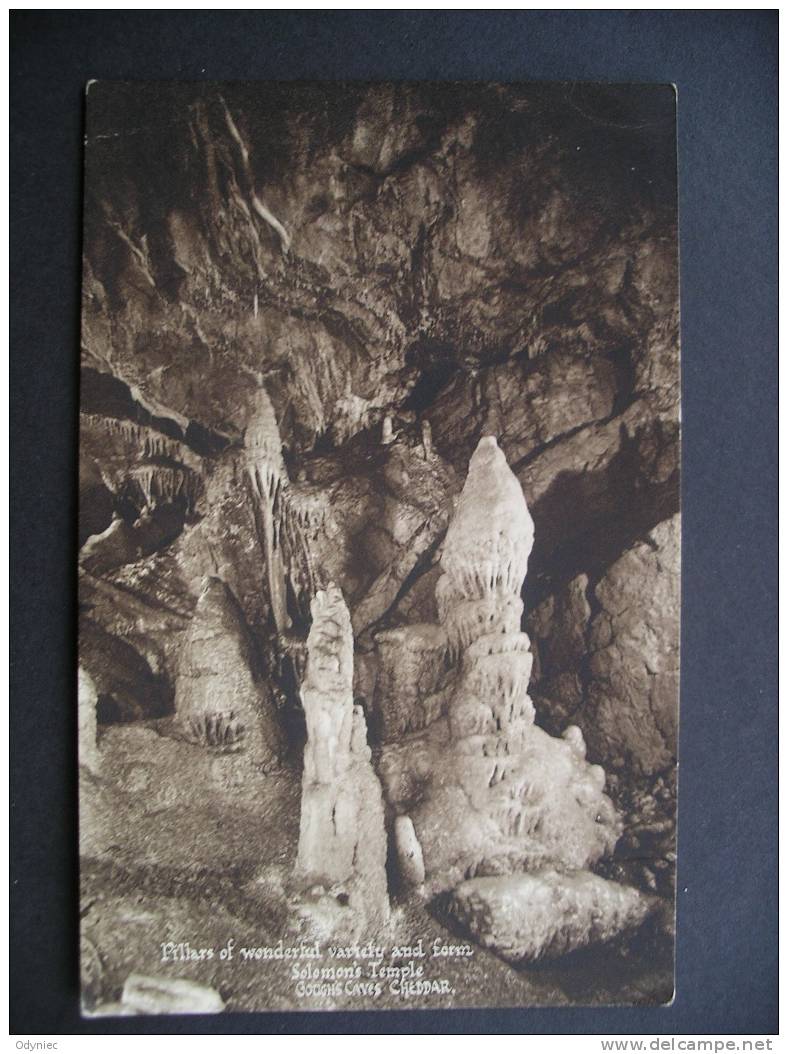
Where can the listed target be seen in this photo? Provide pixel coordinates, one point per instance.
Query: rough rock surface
(607, 655)
(419, 284)
(546, 914)
(343, 289)
(342, 842)
(630, 712)
(410, 673)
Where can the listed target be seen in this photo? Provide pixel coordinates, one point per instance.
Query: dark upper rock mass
(377, 276)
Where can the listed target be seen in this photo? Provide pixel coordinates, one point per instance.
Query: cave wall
(388, 262)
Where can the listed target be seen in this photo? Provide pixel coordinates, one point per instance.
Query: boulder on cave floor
(527, 917)
(169, 995)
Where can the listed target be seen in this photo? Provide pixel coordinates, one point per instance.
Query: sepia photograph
(379, 546)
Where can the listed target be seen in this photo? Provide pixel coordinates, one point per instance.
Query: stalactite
(268, 479)
(308, 507)
(162, 485)
(291, 517)
(148, 442)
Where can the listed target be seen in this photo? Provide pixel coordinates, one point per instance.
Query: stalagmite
(217, 700)
(491, 535)
(87, 700)
(426, 439)
(487, 792)
(387, 431)
(342, 841)
(410, 858)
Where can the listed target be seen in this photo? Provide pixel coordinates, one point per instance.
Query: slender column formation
(268, 478)
(342, 842)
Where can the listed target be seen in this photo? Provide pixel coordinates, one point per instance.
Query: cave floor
(175, 851)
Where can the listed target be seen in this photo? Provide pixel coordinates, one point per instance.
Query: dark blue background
(725, 67)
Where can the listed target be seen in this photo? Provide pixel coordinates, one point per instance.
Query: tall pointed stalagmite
(494, 793)
(506, 816)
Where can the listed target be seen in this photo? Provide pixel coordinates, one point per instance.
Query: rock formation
(87, 702)
(218, 700)
(127, 686)
(630, 713)
(410, 674)
(303, 307)
(546, 914)
(268, 477)
(342, 841)
(608, 655)
(492, 793)
(169, 995)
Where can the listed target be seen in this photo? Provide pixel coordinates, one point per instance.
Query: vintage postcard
(379, 546)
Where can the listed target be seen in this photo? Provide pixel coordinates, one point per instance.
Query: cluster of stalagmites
(488, 801)
(483, 804)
